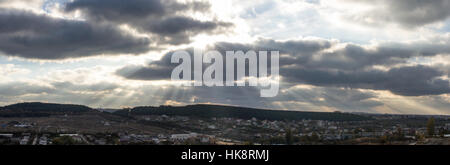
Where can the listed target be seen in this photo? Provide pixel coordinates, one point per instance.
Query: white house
(182, 136)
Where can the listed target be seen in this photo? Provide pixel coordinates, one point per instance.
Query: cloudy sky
(376, 56)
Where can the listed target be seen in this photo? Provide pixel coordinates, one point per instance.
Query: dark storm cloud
(162, 69)
(179, 24)
(406, 81)
(155, 70)
(408, 13)
(311, 54)
(151, 72)
(158, 17)
(416, 81)
(132, 10)
(179, 29)
(305, 62)
(29, 35)
(117, 10)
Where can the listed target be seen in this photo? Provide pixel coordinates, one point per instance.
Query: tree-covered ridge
(36, 109)
(208, 111)
(200, 110)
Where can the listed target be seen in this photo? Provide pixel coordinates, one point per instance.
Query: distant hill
(208, 111)
(37, 109)
(41, 109)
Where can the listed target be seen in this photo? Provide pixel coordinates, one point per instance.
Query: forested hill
(41, 109)
(208, 111)
(200, 110)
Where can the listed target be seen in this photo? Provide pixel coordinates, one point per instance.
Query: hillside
(202, 111)
(208, 111)
(41, 109)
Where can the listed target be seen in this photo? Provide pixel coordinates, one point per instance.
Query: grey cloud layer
(29, 35)
(407, 81)
(158, 17)
(306, 62)
(132, 10)
(38, 36)
(162, 69)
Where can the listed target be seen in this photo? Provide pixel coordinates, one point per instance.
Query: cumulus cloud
(31, 5)
(406, 13)
(29, 35)
(11, 69)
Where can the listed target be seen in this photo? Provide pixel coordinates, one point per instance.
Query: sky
(371, 56)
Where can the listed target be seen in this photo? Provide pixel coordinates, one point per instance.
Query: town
(106, 128)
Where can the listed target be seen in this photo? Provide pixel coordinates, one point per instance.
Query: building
(124, 138)
(6, 135)
(43, 140)
(22, 125)
(180, 137)
(71, 135)
(24, 140)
